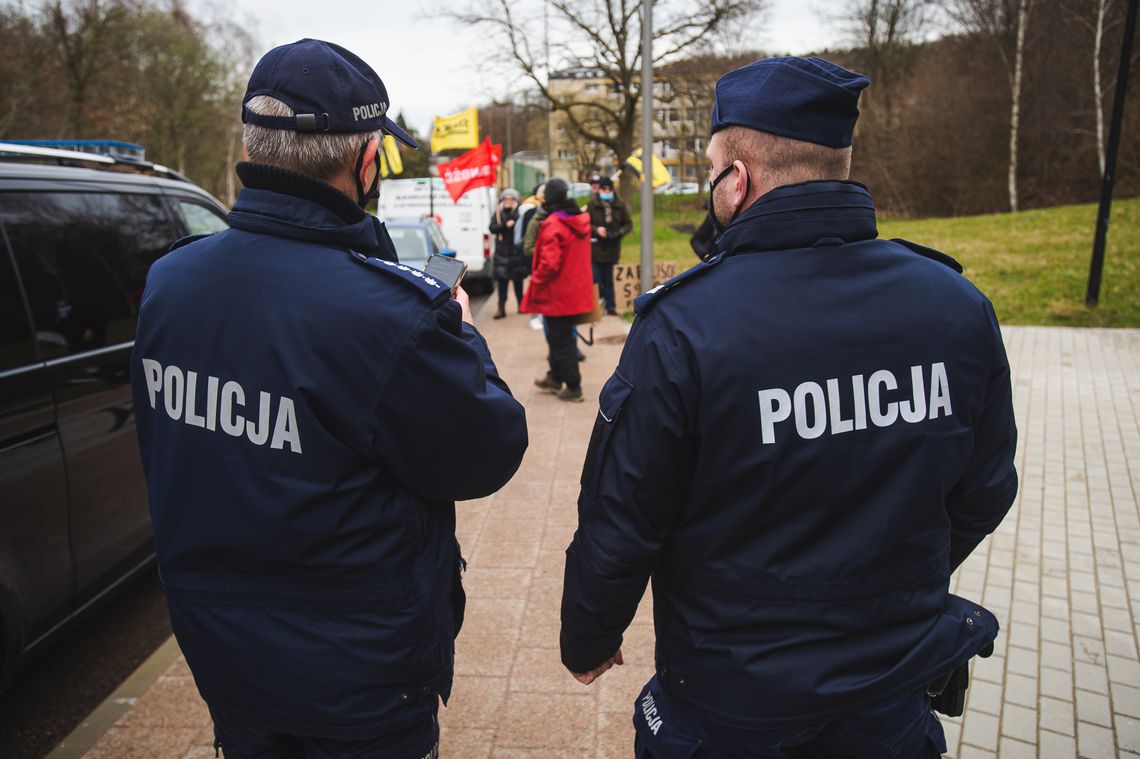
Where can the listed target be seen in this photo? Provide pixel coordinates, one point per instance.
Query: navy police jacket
(308, 412)
(803, 438)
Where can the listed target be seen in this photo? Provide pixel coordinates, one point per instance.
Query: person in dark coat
(293, 386)
(803, 439)
(609, 222)
(509, 264)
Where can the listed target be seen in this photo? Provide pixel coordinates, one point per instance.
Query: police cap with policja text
(808, 99)
(329, 89)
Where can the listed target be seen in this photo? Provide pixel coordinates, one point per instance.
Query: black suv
(75, 246)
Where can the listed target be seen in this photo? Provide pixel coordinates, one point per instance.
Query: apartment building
(680, 127)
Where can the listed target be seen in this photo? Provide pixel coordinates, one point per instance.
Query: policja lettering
(181, 400)
(810, 401)
(649, 709)
(368, 111)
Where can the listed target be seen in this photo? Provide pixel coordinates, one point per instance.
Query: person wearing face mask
(805, 435)
(294, 384)
(509, 264)
(609, 222)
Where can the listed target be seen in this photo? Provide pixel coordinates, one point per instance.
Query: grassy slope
(1033, 265)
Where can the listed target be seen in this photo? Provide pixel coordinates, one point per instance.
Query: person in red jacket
(561, 286)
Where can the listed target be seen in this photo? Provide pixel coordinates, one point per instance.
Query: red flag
(475, 168)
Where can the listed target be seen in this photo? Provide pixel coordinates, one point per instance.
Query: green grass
(1033, 265)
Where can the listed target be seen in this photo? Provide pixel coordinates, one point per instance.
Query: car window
(201, 220)
(16, 347)
(83, 259)
(410, 243)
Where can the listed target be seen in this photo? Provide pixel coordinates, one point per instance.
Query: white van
(464, 224)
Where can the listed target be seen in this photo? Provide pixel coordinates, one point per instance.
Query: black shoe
(571, 394)
(611, 312)
(549, 384)
(581, 356)
(501, 313)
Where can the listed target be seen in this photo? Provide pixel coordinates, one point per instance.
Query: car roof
(17, 175)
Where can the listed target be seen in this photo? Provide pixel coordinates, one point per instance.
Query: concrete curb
(103, 718)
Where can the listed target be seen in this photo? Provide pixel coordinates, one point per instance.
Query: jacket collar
(283, 203)
(802, 216)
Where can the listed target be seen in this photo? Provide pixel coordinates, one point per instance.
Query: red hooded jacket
(562, 282)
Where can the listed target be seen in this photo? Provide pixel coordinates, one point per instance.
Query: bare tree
(690, 86)
(88, 35)
(1097, 20)
(604, 35)
(884, 34)
(1005, 22)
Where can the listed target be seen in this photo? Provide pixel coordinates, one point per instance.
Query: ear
(740, 191)
(369, 160)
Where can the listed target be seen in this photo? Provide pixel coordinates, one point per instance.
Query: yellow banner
(391, 162)
(460, 131)
(660, 173)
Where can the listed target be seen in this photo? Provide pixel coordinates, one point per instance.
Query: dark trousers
(604, 277)
(903, 727)
(563, 352)
(502, 284)
(246, 740)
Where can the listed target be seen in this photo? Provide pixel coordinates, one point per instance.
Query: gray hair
(316, 154)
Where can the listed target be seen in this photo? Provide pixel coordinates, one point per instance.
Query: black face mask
(717, 226)
(364, 198)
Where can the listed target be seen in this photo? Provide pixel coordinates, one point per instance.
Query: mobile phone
(447, 270)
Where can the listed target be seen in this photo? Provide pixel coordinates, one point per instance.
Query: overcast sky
(431, 66)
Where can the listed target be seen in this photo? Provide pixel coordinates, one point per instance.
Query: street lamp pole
(1096, 266)
(646, 145)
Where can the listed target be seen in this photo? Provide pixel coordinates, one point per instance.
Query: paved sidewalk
(1062, 574)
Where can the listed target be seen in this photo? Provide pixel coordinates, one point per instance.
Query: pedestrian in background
(509, 265)
(609, 222)
(804, 437)
(561, 286)
(294, 385)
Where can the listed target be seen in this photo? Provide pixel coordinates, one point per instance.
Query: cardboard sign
(627, 282)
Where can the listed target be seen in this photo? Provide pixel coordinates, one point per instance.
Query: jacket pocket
(613, 397)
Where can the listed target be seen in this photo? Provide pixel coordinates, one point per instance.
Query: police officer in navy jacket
(805, 436)
(309, 410)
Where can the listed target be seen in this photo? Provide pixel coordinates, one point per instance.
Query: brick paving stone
(1009, 748)
(1128, 734)
(1057, 716)
(1095, 742)
(1021, 690)
(1019, 722)
(1054, 746)
(981, 730)
(1094, 708)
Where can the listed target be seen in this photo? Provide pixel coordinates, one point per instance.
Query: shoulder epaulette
(430, 287)
(182, 242)
(931, 253)
(644, 302)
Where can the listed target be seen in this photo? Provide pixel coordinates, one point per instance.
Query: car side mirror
(449, 252)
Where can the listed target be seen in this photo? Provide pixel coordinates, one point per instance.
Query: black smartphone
(447, 270)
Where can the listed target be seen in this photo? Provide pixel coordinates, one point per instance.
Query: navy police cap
(329, 89)
(807, 99)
